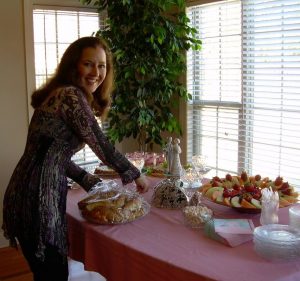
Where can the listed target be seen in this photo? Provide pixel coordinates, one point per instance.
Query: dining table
(161, 247)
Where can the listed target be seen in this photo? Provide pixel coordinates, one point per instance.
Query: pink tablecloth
(159, 247)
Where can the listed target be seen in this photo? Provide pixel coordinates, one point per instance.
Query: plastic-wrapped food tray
(167, 195)
(119, 216)
(108, 203)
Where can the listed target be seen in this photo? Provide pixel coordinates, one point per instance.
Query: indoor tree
(149, 40)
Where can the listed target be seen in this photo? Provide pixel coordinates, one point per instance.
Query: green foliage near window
(149, 39)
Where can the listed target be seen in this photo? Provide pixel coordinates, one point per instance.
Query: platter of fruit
(244, 192)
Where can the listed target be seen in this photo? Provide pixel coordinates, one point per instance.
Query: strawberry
(249, 187)
(287, 191)
(257, 177)
(236, 187)
(216, 178)
(278, 181)
(214, 183)
(228, 177)
(256, 193)
(226, 193)
(285, 185)
(234, 193)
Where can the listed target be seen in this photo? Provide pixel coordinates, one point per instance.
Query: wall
(13, 95)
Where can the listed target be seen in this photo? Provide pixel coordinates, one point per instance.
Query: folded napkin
(231, 232)
(269, 207)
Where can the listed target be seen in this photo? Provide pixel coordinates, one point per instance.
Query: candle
(294, 215)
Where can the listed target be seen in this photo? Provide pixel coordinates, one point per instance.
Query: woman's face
(91, 68)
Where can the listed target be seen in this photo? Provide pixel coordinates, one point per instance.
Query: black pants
(53, 268)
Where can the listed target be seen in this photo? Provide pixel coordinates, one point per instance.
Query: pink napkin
(231, 232)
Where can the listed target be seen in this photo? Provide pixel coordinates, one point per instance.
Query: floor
(13, 267)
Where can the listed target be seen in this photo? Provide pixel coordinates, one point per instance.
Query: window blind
(271, 87)
(214, 80)
(246, 90)
(54, 30)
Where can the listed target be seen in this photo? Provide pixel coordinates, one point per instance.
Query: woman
(63, 121)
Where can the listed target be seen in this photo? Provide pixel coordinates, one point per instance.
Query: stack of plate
(277, 242)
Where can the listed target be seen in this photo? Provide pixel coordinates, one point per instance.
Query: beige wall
(13, 95)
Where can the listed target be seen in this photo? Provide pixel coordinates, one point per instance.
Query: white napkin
(270, 205)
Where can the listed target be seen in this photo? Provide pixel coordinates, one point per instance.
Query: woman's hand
(89, 180)
(142, 184)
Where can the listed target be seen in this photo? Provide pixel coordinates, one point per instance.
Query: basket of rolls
(108, 203)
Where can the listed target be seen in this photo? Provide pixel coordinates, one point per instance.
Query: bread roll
(122, 208)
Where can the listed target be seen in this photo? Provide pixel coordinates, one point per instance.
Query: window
(54, 30)
(246, 88)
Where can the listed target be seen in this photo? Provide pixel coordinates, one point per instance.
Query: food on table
(112, 207)
(196, 216)
(168, 195)
(244, 191)
(234, 201)
(97, 198)
(256, 203)
(153, 159)
(157, 171)
(160, 170)
(103, 170)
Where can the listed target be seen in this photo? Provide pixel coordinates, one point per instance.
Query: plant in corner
(149, 39)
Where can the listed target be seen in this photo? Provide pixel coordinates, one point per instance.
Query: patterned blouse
(34, 206)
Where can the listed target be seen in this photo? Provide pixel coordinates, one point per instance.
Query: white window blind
(54, 30)
(271, 87)
(246, 87)
(214, 80)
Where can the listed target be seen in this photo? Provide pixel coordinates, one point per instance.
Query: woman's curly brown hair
(67, 74)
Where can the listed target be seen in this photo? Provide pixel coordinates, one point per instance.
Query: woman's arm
(77, 113)
(82, 177)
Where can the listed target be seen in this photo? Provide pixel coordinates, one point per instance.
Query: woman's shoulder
(60, 95)
(69, 91)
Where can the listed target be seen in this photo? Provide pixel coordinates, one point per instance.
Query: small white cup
(294, 215)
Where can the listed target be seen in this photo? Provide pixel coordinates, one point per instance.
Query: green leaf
(142, 70)
(125, 2)
(127, 74)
